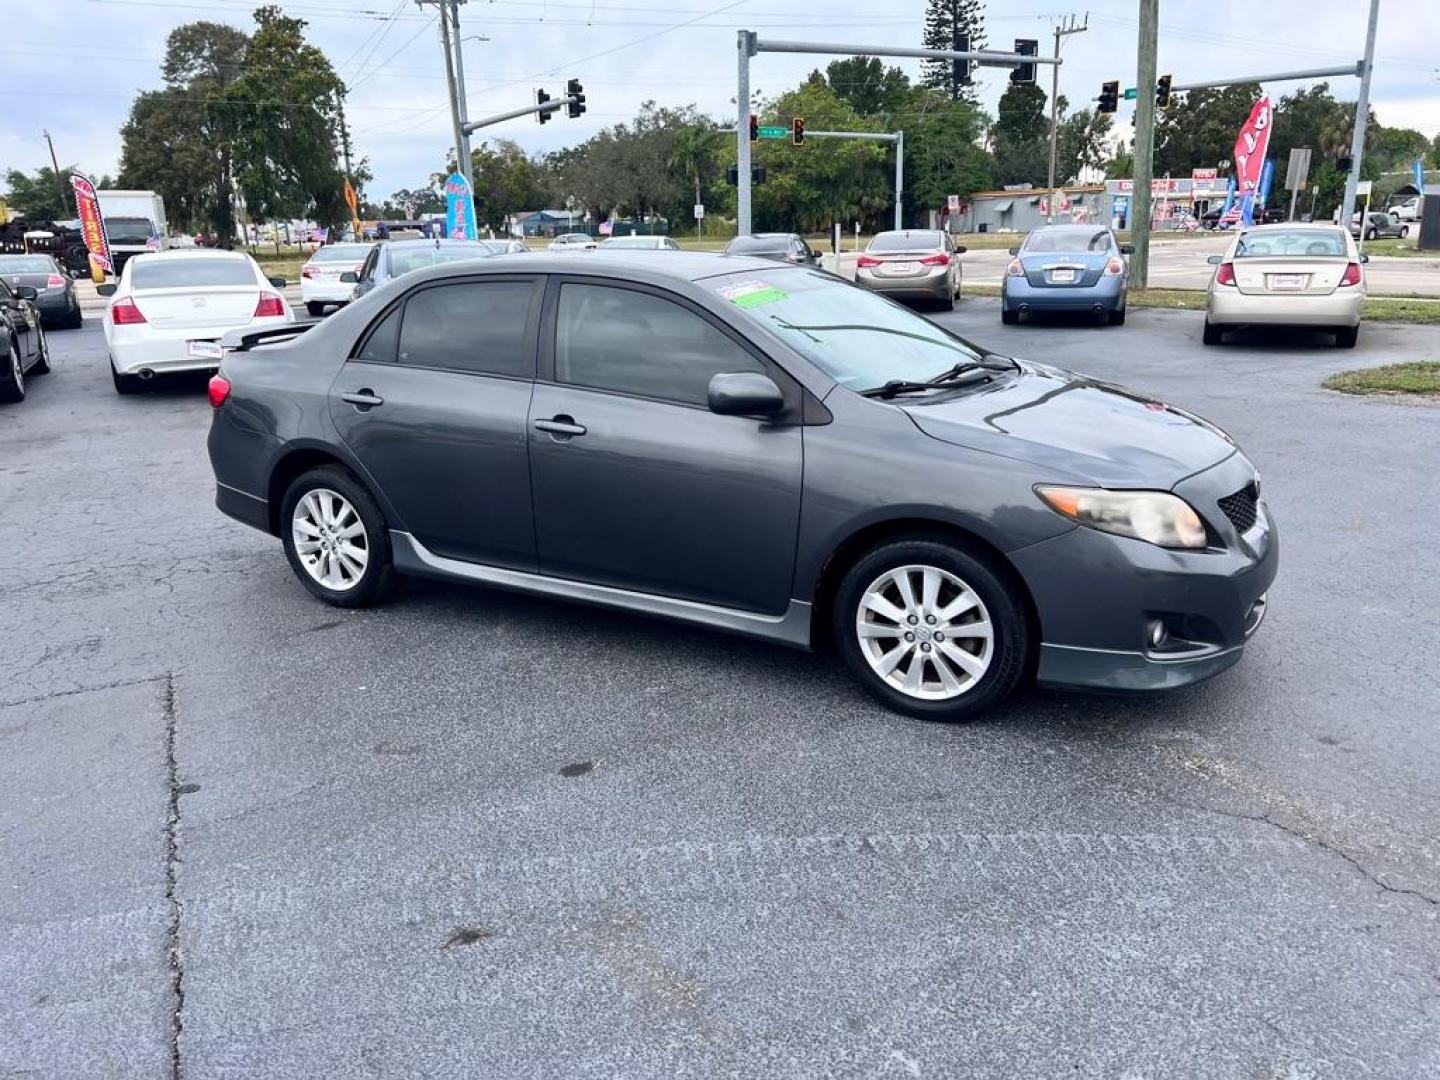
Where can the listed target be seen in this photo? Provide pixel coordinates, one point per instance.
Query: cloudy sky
(73, 66)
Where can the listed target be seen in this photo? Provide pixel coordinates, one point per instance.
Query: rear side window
(483, 327)
(191, 273)
(380, 347)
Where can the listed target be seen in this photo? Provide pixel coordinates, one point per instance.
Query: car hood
(1094, 431)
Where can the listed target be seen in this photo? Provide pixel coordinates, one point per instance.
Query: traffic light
(754, 128)
(960, 70)
(576, 93)
(757, 175)
(1109, 96)
(541, 97)
(1162, 91)
(1025, 73)
(1344, 164)
(797, 130)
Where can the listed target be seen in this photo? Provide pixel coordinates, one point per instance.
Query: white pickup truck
(134, 223)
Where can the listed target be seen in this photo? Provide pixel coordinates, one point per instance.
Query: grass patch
(286, 264)
(1418, 377)
(1401, 248)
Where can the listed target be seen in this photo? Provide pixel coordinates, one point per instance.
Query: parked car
(913, 264)
(638, 243)
(320, 283)
(757, 448)
(1379, 225)
(23, 348)
(1407, 209)
(1267, 216)
(781, 247)
(389, 259)
(1288, 275)
(170, 310)
(54, 287)
(505, 247)
(1067, 268)
(575, 241)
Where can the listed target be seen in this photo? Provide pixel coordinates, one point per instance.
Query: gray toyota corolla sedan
(757, 448)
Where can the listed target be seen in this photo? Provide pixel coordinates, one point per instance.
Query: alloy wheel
(330, 539)
(925, 632)
(17, 370)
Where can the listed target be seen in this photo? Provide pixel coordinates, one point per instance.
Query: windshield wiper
(947, 377)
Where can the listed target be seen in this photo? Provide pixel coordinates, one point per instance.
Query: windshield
(631, 242)
(403, 260)
(128, 230)
(1068, 241)
(1291, 242)
(905, 241)
(163, 273)
(856, 337)
(346, 253)
(27, 264)
(743, 245)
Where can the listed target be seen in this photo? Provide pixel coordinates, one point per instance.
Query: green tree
(695, 155)
(1019, 136)
(1199, 131)
(1397, 148)
(1082, 141)
(868, 86)
(507, 181)
(38, 195)
(944, 20)
(409, 202)
(943, 155)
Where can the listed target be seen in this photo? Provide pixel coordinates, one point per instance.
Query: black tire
(1008, 317)
(1346, 336)
(1117, 317)
(12, 377)
(314, 307)
(948, 303)
(378, 576)
(1213, 335)
(1370, 234)
(1404, 232)
(125, 384)
(1010, 642)
(42, 364)
(74, 320)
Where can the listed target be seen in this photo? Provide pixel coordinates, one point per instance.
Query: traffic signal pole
(1362, 116)
(749, 44)
(1061, 32)
(898, 138)
(1144, 141)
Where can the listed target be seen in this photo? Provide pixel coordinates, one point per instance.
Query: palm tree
(692, 154)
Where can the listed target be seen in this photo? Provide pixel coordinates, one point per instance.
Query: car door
(433, 404)
(366, 277)
(23, 323)
(637, 484)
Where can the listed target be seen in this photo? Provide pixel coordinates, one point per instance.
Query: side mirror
(349, 277)
(1215, 260)
(278, 282)
(108, 289)
(745, 393)
(960, 249)
(25, 292)
(815, 253)
(1015, 251)
(1364, 258)
(1127, 249)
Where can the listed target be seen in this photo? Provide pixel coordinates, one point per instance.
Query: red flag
(92, 227)
(1251, 147)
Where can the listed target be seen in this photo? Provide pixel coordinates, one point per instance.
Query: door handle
(363, 399)
(561, 427)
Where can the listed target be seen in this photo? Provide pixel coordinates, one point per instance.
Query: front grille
(1242, 508)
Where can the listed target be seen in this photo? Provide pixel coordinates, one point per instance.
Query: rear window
(906, 241)
(346, 253)
(744, 245)
(1291, 242)
(191, 273)
(27, 264)
(1068, 241)
(403, 260)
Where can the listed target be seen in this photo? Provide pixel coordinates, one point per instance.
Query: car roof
(682, 266)
(428, 242)
(190, 253)
(1281, 226)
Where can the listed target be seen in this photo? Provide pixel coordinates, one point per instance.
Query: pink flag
(1251, 147)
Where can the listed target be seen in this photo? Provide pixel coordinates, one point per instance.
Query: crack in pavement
(173, 958)
(82, 690)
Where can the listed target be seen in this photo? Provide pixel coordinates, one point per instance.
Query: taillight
(942, 259)
(309, 271)
(1225, 275)
(1351, 275)
(1016, 268)
(219, 390)
(269, 306)
(124, 312)
(54, 281)
(1115, 266)
(867, 260)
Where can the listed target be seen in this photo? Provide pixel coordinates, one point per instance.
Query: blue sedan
(1067, 268)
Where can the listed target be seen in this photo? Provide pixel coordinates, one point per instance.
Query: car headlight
(1156, 517)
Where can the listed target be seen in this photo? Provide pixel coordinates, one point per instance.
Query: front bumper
(1097, 595)
(1108, 294)
(935, 283)
(1228, 306)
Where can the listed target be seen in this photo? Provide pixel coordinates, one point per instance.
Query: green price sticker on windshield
(749, 294)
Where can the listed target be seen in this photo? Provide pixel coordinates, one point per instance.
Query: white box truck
(134, 223)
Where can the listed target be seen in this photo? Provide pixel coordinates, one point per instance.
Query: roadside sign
(699, 211)
(1298, 170)
(773, 131)
(1364, 187)
(1130, 93)
(952, 203)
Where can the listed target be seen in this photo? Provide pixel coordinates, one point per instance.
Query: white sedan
(573, 241)
(170, 309)
(320, 282)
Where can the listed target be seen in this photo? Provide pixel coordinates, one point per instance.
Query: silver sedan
(913, 263)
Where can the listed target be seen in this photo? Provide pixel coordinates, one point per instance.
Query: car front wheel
(314, 308)
(12, 374)
(930, 629)
(336, 538)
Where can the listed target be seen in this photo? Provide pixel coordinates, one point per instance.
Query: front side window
(635, 343)
(477, 326)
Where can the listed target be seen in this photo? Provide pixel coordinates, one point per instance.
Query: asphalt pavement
(476, 834)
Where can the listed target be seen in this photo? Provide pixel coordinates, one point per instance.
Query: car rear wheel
(336, 538)
(930, 629)
(42, 362)
(1404, 231)
(12, 376)
(1346, 336)
(1213, 335)
(314, 308)
(125, 384)
(1008, 317)
(1117, 317)
(74, 319)
(1370, 234)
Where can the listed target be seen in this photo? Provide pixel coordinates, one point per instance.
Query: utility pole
(467, 169)
(344, 133)
(1062, 31)
(450, 77)
(746, 44)
(59, 180)
(1144, 141)
(1362, 116)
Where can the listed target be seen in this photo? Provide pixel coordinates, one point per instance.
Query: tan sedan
(1288, 275)
(912, 264)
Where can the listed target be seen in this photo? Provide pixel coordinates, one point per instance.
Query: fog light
(1157, 633)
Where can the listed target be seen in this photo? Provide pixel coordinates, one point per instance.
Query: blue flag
(1419, 176)
(459, 208)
